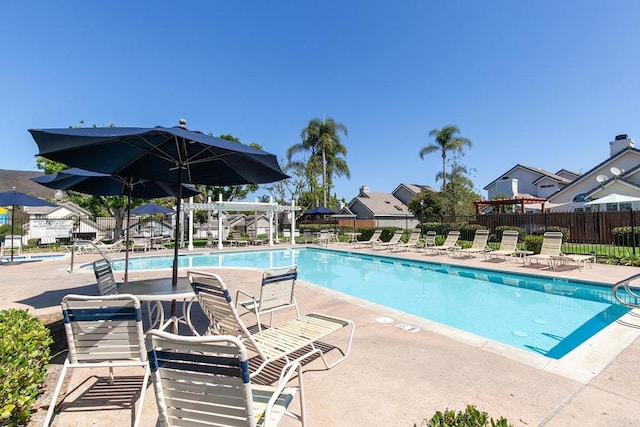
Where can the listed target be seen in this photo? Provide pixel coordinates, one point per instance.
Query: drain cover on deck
(407, 327)
(384, 320)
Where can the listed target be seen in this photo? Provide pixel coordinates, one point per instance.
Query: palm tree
(446, 140)
(322, 139)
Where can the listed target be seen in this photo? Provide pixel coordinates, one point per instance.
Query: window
(612, 207)
(625, 206)
(579, 197)
(548, 186)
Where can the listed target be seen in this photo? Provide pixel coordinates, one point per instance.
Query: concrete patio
(395, 377)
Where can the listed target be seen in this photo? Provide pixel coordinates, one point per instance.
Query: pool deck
(397, 376)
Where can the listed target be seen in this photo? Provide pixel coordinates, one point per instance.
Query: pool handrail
(80, 242)
(625, 284)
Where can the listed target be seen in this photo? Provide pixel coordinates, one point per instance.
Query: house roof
(588, 174)
(21, 180)
(577, 174)
(415, 188)
(543, 173)
(610, 182)
(46, 210)
(381, 204)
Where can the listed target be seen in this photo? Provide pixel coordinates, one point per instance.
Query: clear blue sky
(544, 83)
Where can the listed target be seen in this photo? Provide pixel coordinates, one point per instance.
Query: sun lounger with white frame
(293, 340)
(478, 246)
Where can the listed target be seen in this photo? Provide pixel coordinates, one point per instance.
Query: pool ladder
(633, 295)
(79, 243)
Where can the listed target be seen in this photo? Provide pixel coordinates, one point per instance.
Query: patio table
(159, 291)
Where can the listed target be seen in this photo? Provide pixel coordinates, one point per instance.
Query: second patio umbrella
(101, 184)
(14, 198)
(173, 154)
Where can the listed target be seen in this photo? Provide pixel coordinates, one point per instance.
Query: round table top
(158, 289)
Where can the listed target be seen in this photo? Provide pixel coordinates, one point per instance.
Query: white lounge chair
(375, 237)
(412, 243)
(551, 247)
(293, 340)
(508, 246)
(394, 241)
(277, 292)
(450, 244)
(104, 277)
(103, 332)
(205, 381)
(580, 260)
(478, 246)
(429, 240)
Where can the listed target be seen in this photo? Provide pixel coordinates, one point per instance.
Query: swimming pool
(543, 315)
(31, 257)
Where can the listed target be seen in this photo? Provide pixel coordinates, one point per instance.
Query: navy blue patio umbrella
(173, 154)
(151, 209)
(320, 210)
(102, 184)
(14, 198)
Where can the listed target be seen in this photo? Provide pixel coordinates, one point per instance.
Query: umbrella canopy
(102, 184)
(613, 198)
(151, 209)
(173, 154)
(320, 210)
(14, 198)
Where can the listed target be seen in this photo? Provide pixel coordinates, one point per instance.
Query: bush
(471, 417)
(522, 233)
(622, 236)
(24, 355)
(468, 231)
(533, 243)
(542, 230)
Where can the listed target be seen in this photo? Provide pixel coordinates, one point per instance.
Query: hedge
(24, 356)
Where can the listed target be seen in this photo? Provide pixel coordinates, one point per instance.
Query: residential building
(386, 209)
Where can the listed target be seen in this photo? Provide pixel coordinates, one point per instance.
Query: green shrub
(24, 355)
(468, 231)
(542, 230)
(533, 243)
(622, 236)
(522, 233)
(471, 417)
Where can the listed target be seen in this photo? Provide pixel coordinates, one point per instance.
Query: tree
(321, 138)
(446, 140)
(289, 189)
(426, 206)
(459, 194)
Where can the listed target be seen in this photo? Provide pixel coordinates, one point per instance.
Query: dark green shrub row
(468, 231)
(541, 231)
(533, 243)
(471, 417)
(24, 355)
(622, 236)
(522, 233)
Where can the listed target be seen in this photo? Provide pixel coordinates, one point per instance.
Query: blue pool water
(543, 315)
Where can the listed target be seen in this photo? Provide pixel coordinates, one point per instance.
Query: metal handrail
(625, 284)
(85, 243)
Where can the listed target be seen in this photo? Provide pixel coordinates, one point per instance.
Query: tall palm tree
(322, 139)
(446, 139)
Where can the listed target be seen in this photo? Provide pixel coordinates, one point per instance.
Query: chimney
(364, 189)
(620, 143)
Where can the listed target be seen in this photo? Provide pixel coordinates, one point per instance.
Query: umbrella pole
(126, 254)
(13, 213)
(174, 276)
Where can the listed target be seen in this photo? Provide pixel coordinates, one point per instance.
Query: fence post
(633, 232)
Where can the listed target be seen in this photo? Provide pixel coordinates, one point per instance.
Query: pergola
(522, 201)
(269, 207)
